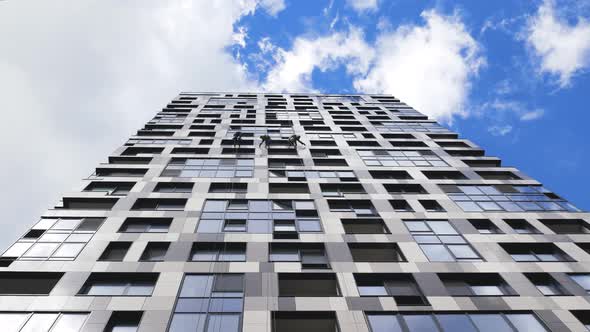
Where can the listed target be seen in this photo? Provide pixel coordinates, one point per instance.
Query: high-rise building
(215, 217)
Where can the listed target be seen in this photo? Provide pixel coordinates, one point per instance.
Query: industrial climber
(294, 139)
(265, 140)
(237, 139)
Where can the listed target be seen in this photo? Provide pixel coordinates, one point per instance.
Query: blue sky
(532, 117)
(80, 77)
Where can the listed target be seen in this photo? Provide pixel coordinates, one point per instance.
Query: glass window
(455, 323)
(384, 323)
(41, 250)
(481, 290)
(66, 224)
(420, 323)
(209, 226)
(223, 322)
(142, 289)
(462, 252)
(375, 290)
(437, 253)
(214, 205)
(309, 225)
(197, 286)
(234, 226)
(39, 322)
(304, 205)
(490, 323)
(69, 250)
(583, 280)
(525, 322)
(12, 322)
(284, 255)
(44, 224)
(259, 206)
(440, 228)
(90, 225)
(17, 249)
(70, 323)
(106, 289)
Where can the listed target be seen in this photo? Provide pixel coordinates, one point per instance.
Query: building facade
(300, 212)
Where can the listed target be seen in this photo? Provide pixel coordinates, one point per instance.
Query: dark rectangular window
(159, 204)
(115, 251)
(89, 203)
(535, 252)
(124, 321)
(404, 188)
(119, 284)
(310, 255)
(485, 226)
(497, 175)
(364, 226)
(28, 283)
(218, 251)
(583, 316)
(376, 252)
(120, 172)
(521, 226)
(288, 188)
(402, 287)
(546, 284)
(129, 160)
(393, 175)
(146, 225)
(134, 151)
(309, 321)
(400, 205)
(431, 205)
(475, 284)
(110, 188)
(341, 189)
(155, 251)
(228, 187)
(308, 284)
(174, 187)
(444, 175)
(329, 162)
(567, 226)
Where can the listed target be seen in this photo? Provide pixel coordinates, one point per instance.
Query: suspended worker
(294, 139)
(265, 140)
(237, 139)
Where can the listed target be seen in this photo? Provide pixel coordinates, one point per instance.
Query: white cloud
(239, 36)
(500, 130)
(334, 21)
(562, 49)
(430, 66)
(363, 5)
(505, 107)
(79, 77)
(273, 7)
(532, 115)
(293, 68)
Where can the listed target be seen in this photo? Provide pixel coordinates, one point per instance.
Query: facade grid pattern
(359, 215)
